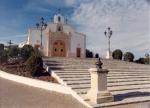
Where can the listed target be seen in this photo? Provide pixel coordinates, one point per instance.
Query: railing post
(98, 92)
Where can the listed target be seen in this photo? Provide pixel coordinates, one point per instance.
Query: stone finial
(99, 63)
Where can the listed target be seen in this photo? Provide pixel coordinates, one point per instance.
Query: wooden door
(78, 52)
(59, 49)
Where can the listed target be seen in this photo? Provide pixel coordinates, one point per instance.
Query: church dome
(58, 18)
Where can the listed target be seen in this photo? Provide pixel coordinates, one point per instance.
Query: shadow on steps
(120, 97)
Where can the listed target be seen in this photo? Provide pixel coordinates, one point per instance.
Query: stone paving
(16, 95)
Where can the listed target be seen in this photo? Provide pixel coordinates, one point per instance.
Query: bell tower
(59, 18)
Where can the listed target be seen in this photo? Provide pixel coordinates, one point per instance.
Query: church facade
(59, 39)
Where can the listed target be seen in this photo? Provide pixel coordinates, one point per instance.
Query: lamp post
(9, 44)
(41, 26)
(108, 34)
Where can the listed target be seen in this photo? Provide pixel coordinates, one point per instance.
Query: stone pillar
(98, 92)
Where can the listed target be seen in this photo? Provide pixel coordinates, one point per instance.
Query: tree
(26, 52)
(35, 63)
(128, 56)
(117, 54)
(96, 55)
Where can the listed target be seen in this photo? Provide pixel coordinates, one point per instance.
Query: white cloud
(127, 18)
(70, 2)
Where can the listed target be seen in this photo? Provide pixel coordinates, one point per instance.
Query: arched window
(59, 28)
(59, 19)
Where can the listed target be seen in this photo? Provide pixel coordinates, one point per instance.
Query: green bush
(89, 54)
(4, 56)
(140, 61)
(13, 52)
(117, 54)
(128, 56)
(1, 48)
(35, 63)
(96, 55)
(26, 52)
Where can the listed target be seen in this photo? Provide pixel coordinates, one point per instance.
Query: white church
(57, 39)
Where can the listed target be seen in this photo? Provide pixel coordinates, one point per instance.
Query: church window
(55, 43)
(59, 19)
(61, 50)
(59, 28)
(55, 50)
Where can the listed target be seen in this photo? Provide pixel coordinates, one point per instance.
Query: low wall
(44, 85)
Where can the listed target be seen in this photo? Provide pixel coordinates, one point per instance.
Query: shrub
(89, 54)
(13, 52)
(96, 55)
(26, 52)
(4, 56)
(35, 63)
(128, 56)
(1, 48)
(140, 60)
(117, 54)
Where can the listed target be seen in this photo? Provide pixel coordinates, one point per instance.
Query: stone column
(98, 92)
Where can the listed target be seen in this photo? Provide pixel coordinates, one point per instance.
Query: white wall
(35, 38)
(77, 39)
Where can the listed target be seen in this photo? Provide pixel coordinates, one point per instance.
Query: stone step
(75, 73)
(128, 77)
(129, 87)
(109, 79)
(87, 82)
(136, 102)
(129, 70)
(116, 89)
(72, 72)
(73, 79)
(93, 62)
(131, 91)
(110, 71)
(71, 69)
(90, 66)
(74, 76)
(109, 74)
(88, 85)
(128, 80)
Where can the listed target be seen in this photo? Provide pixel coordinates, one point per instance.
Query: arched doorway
(59, 49)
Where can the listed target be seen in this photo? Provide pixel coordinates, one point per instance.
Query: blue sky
(129, 20)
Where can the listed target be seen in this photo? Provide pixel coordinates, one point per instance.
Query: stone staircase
(125, 80)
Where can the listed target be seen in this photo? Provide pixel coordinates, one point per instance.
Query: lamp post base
(109, 55)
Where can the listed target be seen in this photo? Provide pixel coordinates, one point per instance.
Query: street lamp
(108, 34)
(9, 43)
(41, 26)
